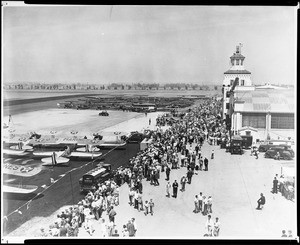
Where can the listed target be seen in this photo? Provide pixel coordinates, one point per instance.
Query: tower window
(242, 82)
(237, 62)
(241, 62)
(231, 82)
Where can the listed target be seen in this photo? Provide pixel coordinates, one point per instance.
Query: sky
(161, 44)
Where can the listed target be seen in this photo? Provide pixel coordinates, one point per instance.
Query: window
(242, 82)
(237, 62)
(282, 121)
(248, 133)
(227, 105)
(231, 82)
(227, 94)
(241, 62)
(255, 120)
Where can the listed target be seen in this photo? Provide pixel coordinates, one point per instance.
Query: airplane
(56, 159)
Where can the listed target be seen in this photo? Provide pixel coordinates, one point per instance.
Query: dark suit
(168, 172)
(175, 189)
(261, 201)
(275, 185)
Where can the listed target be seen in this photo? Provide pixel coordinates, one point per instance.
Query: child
(151, 205)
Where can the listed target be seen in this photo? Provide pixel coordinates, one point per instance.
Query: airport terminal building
(265, 112)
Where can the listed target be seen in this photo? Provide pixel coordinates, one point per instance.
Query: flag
(52, 180)
(44, 186)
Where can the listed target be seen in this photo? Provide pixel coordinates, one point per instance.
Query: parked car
(286, 153)
(272, 143)
(103, 113)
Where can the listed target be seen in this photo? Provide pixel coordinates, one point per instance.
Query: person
(206, 164)
(190, 175)
(275, 185)
(125, 232)
(256, 153)
(116, 233)
(110, 228)
(146, 205)
(217, 227)
(209, 225)
(209, 204)
(151, 206)
(130, 228)
(140, 202)
(134, 225)
(111, 215)
(281, 182)
(261, 201)
(183, 181)
(136, 202)
(212, 154)
(200, 197)
(196, 202)
(204, 206)
(168, 172)
(175, 188)
(277, 156)
(290, 233)
(168, 187)
(283, 233)
(201, 163)
(63, 230)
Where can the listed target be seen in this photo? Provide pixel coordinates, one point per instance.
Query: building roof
(237, 72)
(268, 100)
(237, 56)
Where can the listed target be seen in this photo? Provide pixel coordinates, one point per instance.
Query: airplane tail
(53, 158)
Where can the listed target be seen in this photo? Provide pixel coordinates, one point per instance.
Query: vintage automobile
(285, 152)
(271, 143)
(103, 113)
(236, 148)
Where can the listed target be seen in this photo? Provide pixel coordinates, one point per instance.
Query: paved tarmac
(234, 182)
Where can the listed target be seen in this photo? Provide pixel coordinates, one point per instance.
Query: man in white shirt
(209, 225)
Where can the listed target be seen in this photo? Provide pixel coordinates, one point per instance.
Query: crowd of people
(92, 207)
(179, 146)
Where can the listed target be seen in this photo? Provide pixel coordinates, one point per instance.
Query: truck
(247, 141)
(236, 145)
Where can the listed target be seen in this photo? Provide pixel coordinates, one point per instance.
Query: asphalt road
(63, 192)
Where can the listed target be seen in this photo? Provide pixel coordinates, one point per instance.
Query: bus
(92, 178)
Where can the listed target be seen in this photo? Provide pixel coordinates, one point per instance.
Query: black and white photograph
(148, 122)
